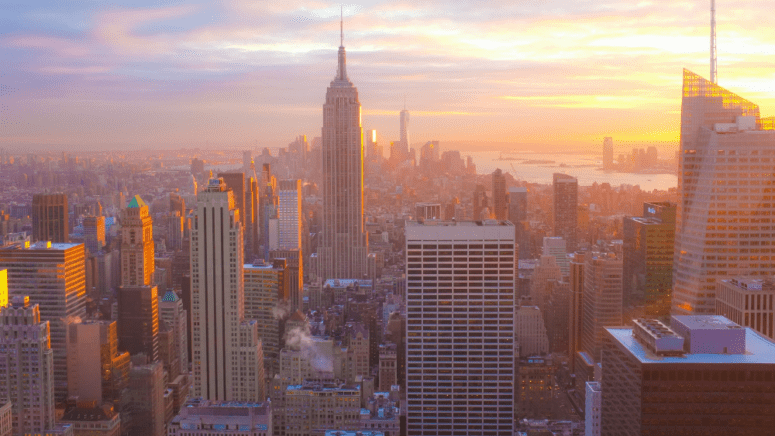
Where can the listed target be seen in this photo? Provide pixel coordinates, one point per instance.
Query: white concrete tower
(460, 327)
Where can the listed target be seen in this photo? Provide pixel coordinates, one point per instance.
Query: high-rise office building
(565, 209)
(96, 370)
(592, 412)
(608, 153)
(345, 245)
(723, 224)
(174, 315)
(530, 331)
(137, 249)
(94, 233)
(294, 275)
(460, 296)
(647, 259)
(266, 295)
(748, 301)
(26, 367)
(138, 320)
(405, 145)
(602, 300)
(142, 402)
(252, 207)
(236, 182)
(50, 218)
(703, 375)
(556, 247)
(138, 299)
(226, 349)
(501, 208)
(289, 214)
(54, 277)
(576, 307)
(517, 206)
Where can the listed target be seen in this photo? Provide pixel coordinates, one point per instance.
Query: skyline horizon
(493, 92)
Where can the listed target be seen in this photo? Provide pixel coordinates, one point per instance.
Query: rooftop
(758, 350)
(136, 202)
(445, 223)
(170, 297)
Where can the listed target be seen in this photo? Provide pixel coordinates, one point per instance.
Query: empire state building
(344, 249)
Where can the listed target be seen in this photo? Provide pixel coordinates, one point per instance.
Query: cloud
(171, 71)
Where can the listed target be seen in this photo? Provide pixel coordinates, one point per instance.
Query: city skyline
(168, 74)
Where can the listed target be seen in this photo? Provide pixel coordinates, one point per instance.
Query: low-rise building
(90, 420)
(200, 417)
(381, 414)
(312, 408)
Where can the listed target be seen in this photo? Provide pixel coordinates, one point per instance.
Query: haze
(520, 73)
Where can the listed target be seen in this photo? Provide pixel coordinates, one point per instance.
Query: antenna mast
(341, 26)
(713, 65)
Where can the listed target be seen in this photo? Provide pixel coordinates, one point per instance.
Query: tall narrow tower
(138, 305)
(713, 65)
(344, 248)
(227, 355)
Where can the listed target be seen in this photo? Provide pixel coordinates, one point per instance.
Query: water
(584, 167)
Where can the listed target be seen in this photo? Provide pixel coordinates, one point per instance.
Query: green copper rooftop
(170, 297)
(136, 202)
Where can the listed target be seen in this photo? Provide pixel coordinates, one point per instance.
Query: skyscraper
(96, 370)
(518, 216)
(649, 242)
(225, 348)
(723, 224)
(608, 153)
(499, 195)
(26, 367)
(54, 277)
(94, 233)
(565, 209)
(137, 264)
(345, 244)
(173, 313)
(460, 327)
(50, 218)
(138, 300)
(703, 375)
(289, 214)
(236, 182)
(266, 288)
(405, 132)
(602, 300)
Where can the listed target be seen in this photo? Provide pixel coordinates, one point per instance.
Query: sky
(520, 74)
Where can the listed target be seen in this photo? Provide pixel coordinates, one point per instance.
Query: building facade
(647, 259)
(344, 246)
(460, 295)
(26, 367)
(53, 275)
(50, 218)
(722, 220)
(704, 375)
(602, 300)
(565, 209)
(225, 347)
(747, 301)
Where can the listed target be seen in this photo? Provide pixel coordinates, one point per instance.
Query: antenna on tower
(713, 65)
(341, 26)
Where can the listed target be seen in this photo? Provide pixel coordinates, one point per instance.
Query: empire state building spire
(341, 71)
